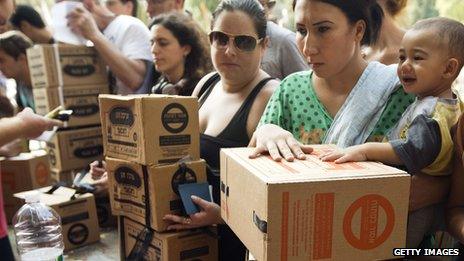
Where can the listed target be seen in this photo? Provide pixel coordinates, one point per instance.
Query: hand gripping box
(24, 172)
(150, 129)
(193, 245)
(79, 220)
(130, 183)
(311, 210)
(81, 99)
(73, 149)
(55, 65)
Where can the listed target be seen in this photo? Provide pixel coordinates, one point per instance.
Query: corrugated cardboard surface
(81, 99)
(75, 148)
(24, 172)
(62, 176)
(150, 129)
(127, 189)
(79, 65)
(78, 216)
(309, 210)
(175, 246)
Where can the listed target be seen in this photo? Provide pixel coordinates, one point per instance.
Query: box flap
(59, 196)
(310, 169)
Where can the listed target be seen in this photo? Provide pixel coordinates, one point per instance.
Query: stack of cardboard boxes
(73, 77)
(146, 140)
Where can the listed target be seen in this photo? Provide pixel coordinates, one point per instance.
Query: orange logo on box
(369, 207)
(41, 174)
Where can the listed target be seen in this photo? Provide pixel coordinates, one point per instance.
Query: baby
(430, 58)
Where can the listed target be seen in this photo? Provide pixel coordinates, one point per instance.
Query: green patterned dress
(295, 107)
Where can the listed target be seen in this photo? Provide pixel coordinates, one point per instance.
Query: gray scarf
(363, 107)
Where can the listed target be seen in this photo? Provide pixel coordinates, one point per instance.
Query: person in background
(181, 53)
(157, 7)
(13, 64)
(282, 56)
(27, 20)
(385, 50)
(421, 141)
(123, 44)
(232, 100)
(123, 7)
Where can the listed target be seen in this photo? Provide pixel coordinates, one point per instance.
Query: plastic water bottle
(37, 229)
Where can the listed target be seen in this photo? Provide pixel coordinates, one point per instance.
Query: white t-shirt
(132, 38)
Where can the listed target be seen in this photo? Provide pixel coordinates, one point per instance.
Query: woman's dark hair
(250, 7)
(188, 32)
(135, 6)
(367, 10)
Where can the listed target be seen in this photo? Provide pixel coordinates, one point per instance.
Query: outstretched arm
(371, 151)
(26, 124)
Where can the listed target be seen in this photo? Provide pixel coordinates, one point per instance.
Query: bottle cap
(32, 196)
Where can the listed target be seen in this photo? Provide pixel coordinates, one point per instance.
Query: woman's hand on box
(210, 214)
(278, 142)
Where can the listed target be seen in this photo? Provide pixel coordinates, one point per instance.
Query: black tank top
(234, 134)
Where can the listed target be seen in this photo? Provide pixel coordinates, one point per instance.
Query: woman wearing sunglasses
(180, 52)
(232, 100)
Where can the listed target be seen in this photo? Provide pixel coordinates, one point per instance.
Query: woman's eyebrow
(322, 22)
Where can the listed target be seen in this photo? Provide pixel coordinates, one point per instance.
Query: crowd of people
(349, 76)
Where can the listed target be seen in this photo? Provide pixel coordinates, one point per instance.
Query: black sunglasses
(245, 43)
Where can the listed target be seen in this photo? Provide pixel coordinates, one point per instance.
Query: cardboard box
(150, 129)
(308, 210)
(75, 148)
(24, 172)
(106, 219)
(79, 220)
(127, 184)
(66, 177)
(82, 100)
(54, 65)
(200, 244)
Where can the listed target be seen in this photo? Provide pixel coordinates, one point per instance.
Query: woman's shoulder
(295, 80)
(202, 82)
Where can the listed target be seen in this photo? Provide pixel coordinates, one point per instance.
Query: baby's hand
(354, 153)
